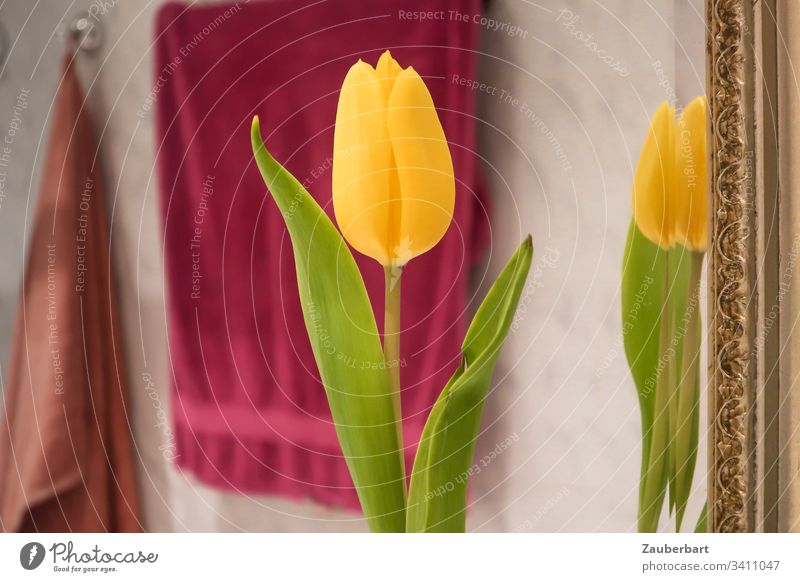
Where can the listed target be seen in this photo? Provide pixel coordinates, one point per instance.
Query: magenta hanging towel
(249, 411)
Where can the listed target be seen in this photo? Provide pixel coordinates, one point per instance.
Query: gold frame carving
(750, 233)
(728, 274)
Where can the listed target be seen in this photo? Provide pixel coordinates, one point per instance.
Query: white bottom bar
(407, 558)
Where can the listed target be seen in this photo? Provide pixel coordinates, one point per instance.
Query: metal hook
(85, 32)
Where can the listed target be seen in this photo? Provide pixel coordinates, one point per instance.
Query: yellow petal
(388, 69)
(424, 167)
(690, 189)
(364, 176)
(654, 179)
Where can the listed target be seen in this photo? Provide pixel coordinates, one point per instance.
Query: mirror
(552, 112)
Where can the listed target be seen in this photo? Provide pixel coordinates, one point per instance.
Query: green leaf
(686, 426)
(678, 290)
(443, 465)
(702, 522)
(643, 283)
(656, 288)
(344, 337)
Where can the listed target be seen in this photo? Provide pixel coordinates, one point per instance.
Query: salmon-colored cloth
(66, 462)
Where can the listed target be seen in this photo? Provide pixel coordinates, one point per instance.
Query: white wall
(560, 135)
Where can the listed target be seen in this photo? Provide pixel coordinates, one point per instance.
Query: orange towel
(66, 462)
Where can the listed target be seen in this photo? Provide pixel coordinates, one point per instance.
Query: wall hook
(85, 32)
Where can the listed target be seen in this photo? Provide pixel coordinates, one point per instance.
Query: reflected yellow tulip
(690, 164)
(652, 183)
(393, 184)
(669, 188)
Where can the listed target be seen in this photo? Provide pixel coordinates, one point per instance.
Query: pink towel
(249, 411)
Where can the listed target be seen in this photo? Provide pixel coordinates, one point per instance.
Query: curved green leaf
(643, 282)
(344, 337)
(443, 465)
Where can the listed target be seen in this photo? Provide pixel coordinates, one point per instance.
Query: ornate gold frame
(728, 284)
(754, 417)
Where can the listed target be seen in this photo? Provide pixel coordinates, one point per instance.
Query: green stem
(391, 352)
(655, 476)
(686, 424)
(674, 333)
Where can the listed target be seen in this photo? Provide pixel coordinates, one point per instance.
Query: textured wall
(569, 88)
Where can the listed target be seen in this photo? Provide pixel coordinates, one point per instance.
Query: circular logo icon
(31, 555)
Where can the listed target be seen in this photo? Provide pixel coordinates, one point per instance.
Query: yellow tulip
(690, 192)
(669, 187)
(393, 183)
(652, 183)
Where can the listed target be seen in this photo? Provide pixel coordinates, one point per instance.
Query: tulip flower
(393, 185)
(393, 198)
(690, 170)
(662, 270)
(669, 189)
